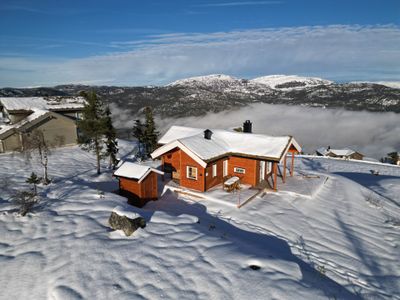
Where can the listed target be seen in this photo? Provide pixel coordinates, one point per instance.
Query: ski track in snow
(199, 249)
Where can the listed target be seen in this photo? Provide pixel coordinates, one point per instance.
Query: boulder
(127, 222)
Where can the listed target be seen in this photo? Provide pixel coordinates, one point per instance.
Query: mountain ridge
(196, 96)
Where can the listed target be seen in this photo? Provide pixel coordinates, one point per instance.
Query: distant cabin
(55, 116)
(345, 153)
(200, 159)
(138, 183)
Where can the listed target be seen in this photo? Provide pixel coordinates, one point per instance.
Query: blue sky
(155, 42)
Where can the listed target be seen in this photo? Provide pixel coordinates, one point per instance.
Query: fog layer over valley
(373, 134)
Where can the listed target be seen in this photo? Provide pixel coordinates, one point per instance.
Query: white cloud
(337, 52)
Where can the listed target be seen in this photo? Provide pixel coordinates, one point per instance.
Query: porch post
(284, 170)
(275, 172)
(292, 165)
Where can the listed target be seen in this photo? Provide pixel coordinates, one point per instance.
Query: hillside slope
(341, 241)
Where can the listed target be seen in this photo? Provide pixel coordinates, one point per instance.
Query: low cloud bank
(373, 134)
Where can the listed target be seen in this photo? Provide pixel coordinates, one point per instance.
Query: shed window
(239, 170)
(191, 172)
(214, 170)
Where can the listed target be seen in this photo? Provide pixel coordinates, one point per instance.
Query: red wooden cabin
(138, 182)
(200, 159)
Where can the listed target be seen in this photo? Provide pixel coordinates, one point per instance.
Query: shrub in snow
(25, 200)
(34, 180)
(128, 223)
(34, 142)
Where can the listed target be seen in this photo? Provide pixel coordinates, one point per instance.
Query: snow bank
(123, 211)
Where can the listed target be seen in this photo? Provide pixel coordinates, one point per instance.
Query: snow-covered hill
(208, 80)
(340, 241)
(272, 81)
(290, 81)
(197, 96)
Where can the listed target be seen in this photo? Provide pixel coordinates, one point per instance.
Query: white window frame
(188, 168)
(214, 170)
(239, 170)
(225, 168)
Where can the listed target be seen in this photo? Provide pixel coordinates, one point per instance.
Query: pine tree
(138, 133)
(34, 179)
(92, 127)
(150, 132)
(394, 157)
(111, 139)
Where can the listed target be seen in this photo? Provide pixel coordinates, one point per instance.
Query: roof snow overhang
(203, 162)
(31, 121)
(129, 174)
(177, 144)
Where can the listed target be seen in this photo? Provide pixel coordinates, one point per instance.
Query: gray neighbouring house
(55, 116)
(345, 153)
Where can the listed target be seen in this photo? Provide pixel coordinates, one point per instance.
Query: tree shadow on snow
(369, 259)
(313, 164)
(251, 243)
(371, 182)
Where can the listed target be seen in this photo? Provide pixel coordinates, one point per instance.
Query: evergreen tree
(111, 139)
(33, 179)
(138, 133)
(92, 127)
(150, 132)
(394, 157)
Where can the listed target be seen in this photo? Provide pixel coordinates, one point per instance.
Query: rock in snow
(126, 221)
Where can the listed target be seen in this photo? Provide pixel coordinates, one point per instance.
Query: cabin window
(214, 170)
(225, 168)
(239, 170)
(191, 172)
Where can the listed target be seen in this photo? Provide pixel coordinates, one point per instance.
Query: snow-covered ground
(342, 242)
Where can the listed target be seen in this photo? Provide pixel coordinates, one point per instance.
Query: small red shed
(138, 182)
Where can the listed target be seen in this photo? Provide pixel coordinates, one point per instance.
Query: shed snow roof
(135, 171)
(224, 142)
(50, 103)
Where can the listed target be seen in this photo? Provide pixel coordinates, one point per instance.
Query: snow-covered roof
(37, 113)
(178, 132)
(224, 142)
(135, 171)
(337, 152)
(50, 103)
(322, 151)
(342, 152)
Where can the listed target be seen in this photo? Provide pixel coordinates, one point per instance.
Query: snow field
(335, 244)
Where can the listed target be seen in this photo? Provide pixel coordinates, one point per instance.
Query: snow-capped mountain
(213, 79)
(289, 81)
(196, 96)
(279, 82)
